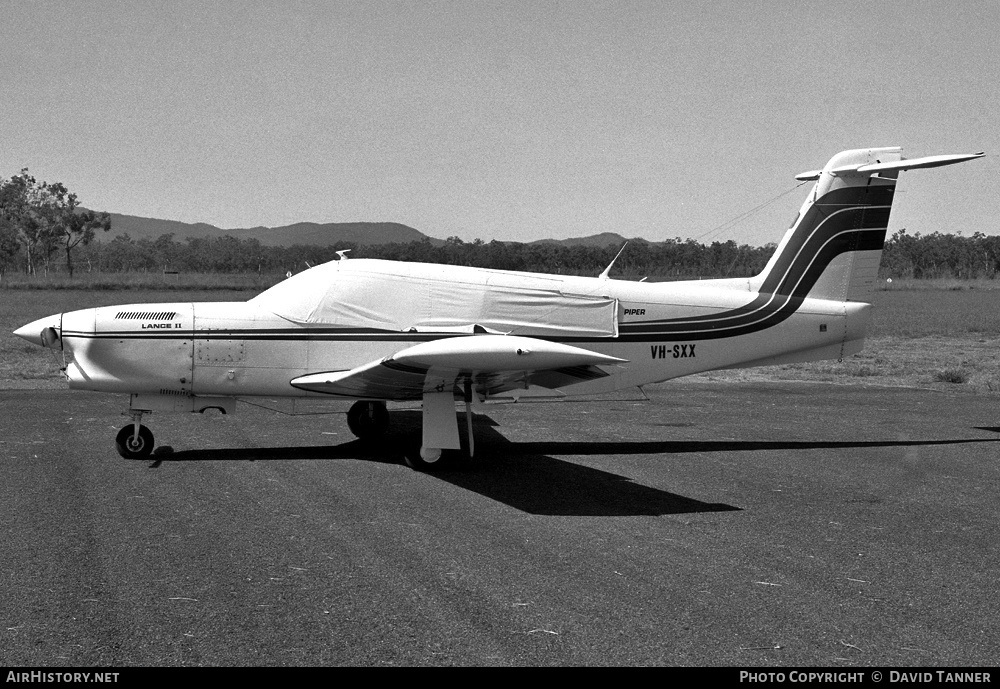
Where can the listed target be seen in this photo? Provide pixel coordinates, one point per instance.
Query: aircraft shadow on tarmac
(526, 475)
(510, 473)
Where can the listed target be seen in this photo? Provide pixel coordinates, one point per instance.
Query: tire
(429, 460)
(368, 420)
(138, 448)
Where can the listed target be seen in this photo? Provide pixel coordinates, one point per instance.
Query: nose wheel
(134, 442)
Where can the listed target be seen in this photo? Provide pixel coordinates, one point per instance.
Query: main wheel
(429, 459)
(131, 446)
(368, 420)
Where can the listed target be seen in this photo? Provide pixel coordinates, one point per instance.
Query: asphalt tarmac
(716, 524)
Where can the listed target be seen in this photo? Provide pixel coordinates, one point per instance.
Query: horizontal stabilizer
(917, 163)
(893, 166)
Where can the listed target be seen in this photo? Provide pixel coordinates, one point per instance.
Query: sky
(503, 120)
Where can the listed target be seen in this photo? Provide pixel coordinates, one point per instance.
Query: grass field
(172, 282)
(937, 334)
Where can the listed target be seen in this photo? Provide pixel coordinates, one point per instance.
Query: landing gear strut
(440, 439)
(134, 441)
(368, 420)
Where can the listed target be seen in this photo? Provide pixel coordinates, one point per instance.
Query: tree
(67, 223)
(40, 217)
(10, 205)
(122, 255)
(9, 247)
(20, 201)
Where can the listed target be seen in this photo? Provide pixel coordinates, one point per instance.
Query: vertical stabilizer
(833, 249)
(831, 252)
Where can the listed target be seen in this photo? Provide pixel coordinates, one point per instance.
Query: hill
(311, 233)
(597, 240)
(314, 234)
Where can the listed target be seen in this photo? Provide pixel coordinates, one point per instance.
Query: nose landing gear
(134, 441)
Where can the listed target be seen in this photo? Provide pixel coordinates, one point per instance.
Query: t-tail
(833, 249)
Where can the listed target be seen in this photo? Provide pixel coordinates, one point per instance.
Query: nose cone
(44, 332)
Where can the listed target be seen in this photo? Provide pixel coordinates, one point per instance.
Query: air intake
(146, 315)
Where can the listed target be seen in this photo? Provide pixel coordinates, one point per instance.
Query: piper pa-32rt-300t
(375, 331)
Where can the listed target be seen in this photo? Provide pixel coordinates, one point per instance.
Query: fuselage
(347, 313)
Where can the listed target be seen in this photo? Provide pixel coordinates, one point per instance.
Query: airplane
(373, 331)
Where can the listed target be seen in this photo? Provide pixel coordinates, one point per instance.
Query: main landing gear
(429, 459)
(134, 441)
(368, 420)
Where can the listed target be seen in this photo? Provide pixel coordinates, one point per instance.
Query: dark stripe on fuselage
(765, 311)
(838, 225)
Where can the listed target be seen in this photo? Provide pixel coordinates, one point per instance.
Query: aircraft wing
(491, 363)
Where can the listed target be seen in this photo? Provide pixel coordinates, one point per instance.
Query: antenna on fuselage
(607, 271)
(342, 253)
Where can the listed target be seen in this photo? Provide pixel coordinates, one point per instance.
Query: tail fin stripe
(743, 320)
(850, 229)
(845, 219)
(857, 208)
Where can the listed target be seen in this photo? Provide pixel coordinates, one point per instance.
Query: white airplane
(375, 331)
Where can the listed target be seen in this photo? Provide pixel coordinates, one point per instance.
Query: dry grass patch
(970, 364)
